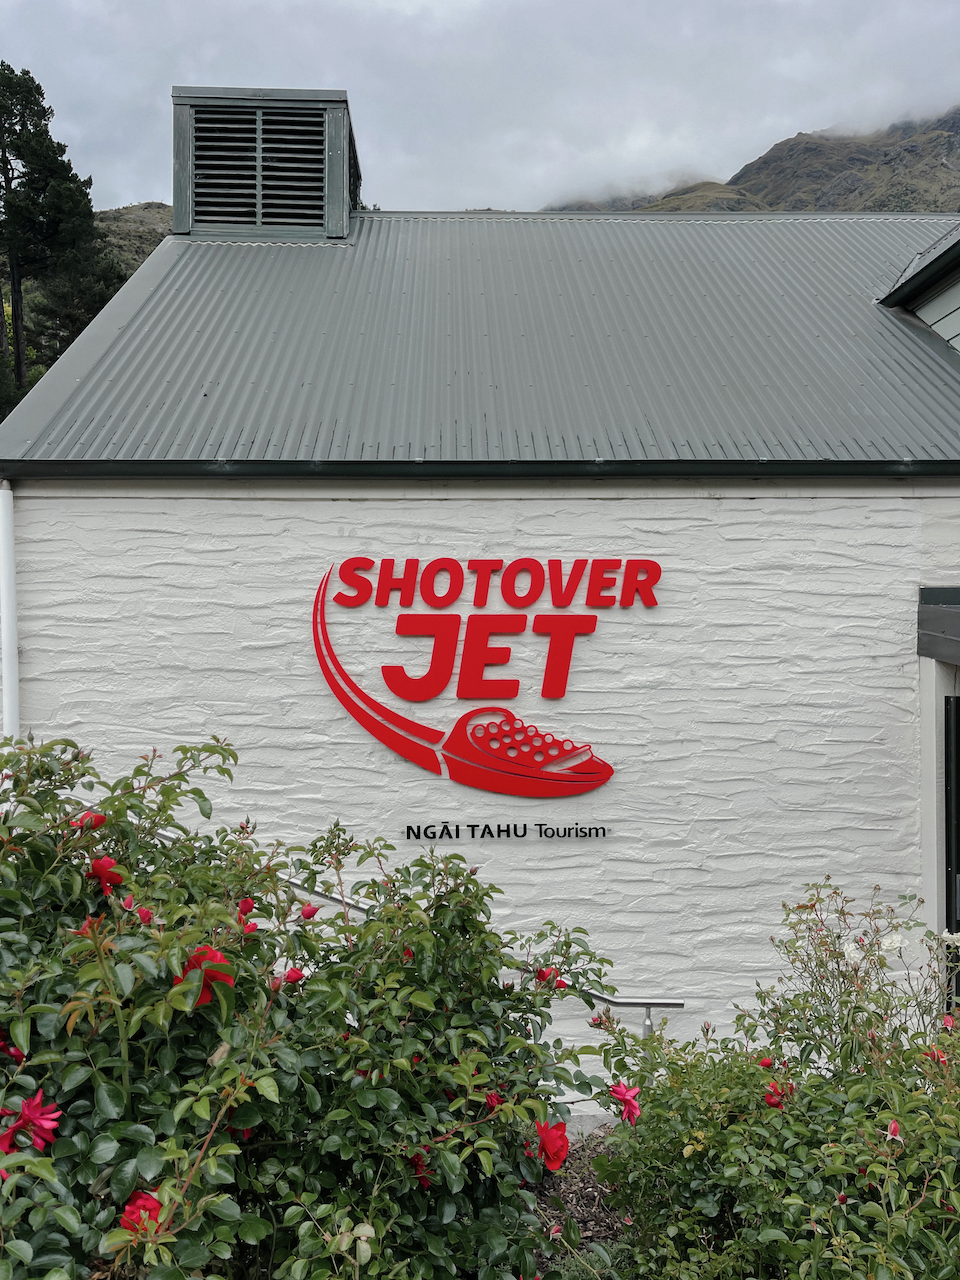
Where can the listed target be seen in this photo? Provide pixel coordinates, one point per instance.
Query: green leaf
(201, 1108)
(103, 1149)
(203, 804)
(247, 1115)
(134, 1133)
(367, 1097)
(571, 1233)
(389, 1098)
(119, 1238)
(6, 1269)
(266, 1086)
(74, 1076)
(123, 1180)
(486, 1162)
(110, 1100)
(421, 1000)
(22, 1251)
(192, 1255)
(126, 977)
(252, 1229)
(20, 1033)
(448, 1210)
(146, 964)
(364, 1252)
(771, 1233)
(312, 1097)
(69, 1219)
(226, 1209)
(150, 1163)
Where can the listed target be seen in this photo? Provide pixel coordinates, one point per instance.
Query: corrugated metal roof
(457, 338)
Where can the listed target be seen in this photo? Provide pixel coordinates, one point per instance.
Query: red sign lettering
(490, 747)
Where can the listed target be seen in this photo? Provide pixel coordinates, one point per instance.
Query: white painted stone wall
(763, 721)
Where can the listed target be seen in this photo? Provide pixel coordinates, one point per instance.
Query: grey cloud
(510, 103)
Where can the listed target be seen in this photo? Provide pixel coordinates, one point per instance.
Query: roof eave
(512, 470)
(923, 280)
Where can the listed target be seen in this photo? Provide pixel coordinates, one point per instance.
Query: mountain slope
(134, 231)
(912, 166)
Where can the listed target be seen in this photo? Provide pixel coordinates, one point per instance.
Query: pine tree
(47, 227)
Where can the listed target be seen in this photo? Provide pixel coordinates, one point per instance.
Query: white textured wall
(763, 721)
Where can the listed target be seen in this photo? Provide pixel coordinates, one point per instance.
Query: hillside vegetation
(911, 166)
(133, 232)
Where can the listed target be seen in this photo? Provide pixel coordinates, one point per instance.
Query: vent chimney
(263, 163)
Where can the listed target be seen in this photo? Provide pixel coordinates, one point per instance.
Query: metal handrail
(642, 1002)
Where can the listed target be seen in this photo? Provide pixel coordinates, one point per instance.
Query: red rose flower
(102, 869)
(560, 985)
(245, 906)
(544, 975)
(292, 976)
(141, 1210)
(935, 1054)
(948, 1022)
(493, 1100)
(407, 953)
(89, 821)
(308, 911)
(554, 1144)
(201, 958)
(38, 1122)
(145, 914)
(128, 902)
(841, 1198)
(11, 1050)
(276, 982)
(766, 1063)
(420, 1170)
(775, 1095)
(251, 927)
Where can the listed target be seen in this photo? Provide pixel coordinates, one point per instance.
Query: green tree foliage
(204, 1074)
(47, 230)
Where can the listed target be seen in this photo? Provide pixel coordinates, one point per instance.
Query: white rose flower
(893, 942)
(852, 952)
(952, 939)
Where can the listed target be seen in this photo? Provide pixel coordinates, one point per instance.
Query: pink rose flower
(627, 1097)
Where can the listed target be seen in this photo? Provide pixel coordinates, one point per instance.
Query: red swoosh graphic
(522, 763)
(394, 731)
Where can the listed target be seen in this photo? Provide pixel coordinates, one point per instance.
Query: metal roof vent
(263, 162)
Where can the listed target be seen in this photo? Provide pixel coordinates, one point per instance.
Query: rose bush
(821, 1140)
(205, 1073)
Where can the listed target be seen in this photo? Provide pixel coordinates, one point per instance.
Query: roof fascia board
(495, 472)
(938, 624)
(56, 386)
(925, 280)
(198, 95)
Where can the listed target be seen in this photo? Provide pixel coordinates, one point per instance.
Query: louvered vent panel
(291, 166)
(225, 165)
(259, 166)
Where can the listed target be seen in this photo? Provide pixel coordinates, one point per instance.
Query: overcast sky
(506, 103)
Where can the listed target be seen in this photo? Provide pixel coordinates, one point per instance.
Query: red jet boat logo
(489, 747)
